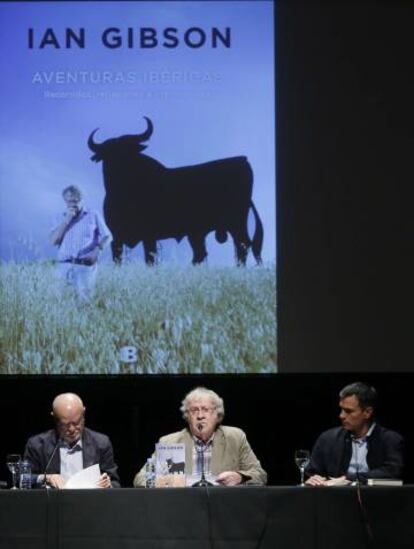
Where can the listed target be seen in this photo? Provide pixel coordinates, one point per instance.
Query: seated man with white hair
(224, 451)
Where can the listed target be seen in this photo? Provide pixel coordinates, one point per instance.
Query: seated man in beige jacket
(224, 451)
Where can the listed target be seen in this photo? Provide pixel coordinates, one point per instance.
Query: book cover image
(162, 114)
(170, 465)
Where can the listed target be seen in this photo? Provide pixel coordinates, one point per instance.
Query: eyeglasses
(67, 425)
(201, 409)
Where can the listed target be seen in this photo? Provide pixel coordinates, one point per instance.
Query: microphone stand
(362, 508)
(57, 445)
(203, 482)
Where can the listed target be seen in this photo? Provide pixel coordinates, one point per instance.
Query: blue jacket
(332, 453)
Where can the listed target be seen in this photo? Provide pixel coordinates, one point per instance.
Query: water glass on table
(302, 458)
(13, 463)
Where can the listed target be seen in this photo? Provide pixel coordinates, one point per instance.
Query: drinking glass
(13, 463)
(302, 458)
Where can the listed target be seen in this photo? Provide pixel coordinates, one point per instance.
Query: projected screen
(137, 192)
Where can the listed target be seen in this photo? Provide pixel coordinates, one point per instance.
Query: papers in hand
(86, 478)
(339, 481)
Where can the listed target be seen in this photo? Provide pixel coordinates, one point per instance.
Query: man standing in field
(80, 237)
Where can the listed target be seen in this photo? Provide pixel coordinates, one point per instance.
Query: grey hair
(200, 392)
(73, 189)
(366, 394)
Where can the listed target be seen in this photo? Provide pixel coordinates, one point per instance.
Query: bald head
(68, 411)
(66, 402)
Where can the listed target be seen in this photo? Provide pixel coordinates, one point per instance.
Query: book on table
(169, 465)
(384, 482)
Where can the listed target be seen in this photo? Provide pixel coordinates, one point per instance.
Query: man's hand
(316, 480)
(92, 257)
(56, 481)
(104, 481)
(71, 212)
(229, 478)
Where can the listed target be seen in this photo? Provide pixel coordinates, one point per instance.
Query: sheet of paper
(87, 478)
(340, 481)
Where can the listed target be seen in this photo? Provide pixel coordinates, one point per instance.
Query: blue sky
(205, 103)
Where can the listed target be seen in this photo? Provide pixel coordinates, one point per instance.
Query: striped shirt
(82, 235)
(202, 451)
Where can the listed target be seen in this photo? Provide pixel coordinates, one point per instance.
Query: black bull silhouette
(146, 202)
(174, 467)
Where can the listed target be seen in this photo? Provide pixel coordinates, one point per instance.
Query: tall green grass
(180, 319)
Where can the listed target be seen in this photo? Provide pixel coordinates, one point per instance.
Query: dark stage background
(344, 165)
(279, 413)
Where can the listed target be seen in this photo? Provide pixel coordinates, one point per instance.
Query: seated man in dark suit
(361, 448)
(70, 447)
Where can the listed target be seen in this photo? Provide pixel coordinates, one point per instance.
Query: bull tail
(257, 242)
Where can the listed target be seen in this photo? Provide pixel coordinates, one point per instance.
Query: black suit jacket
(96, 448)
(333, 451)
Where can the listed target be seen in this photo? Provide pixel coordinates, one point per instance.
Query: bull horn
(91, 143)
(148, 132)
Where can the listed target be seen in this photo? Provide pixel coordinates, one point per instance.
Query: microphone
(57, 445)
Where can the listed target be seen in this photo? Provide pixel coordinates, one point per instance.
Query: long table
(197, 518)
